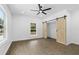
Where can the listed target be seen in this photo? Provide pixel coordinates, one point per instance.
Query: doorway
(57, 29)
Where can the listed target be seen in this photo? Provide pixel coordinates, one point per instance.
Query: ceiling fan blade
(44, 13)
(39, 6)
(47, 9)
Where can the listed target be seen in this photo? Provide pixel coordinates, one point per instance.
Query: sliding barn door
(45, 30)
(61, 30)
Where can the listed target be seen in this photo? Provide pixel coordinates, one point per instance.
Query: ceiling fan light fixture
(42, 10)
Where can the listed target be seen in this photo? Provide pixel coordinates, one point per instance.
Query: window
(33, 28)
(1, 24)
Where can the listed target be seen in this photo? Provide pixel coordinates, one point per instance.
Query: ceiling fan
(41, 10)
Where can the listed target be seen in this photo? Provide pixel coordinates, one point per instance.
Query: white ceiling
(25, 9)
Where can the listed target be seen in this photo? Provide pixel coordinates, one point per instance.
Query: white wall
(4, 45)
(52, 29)
(74, 31)
(21, 27)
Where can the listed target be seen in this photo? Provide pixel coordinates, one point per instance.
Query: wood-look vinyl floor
(42, 47)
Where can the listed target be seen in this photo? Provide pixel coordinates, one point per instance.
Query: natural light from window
(1, 24)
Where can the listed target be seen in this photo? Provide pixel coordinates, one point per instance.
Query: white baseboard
(26, 39)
